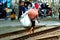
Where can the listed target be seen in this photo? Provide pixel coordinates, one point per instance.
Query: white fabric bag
(25, 21)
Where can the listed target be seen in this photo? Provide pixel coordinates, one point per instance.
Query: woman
(33, 13)
(12, 16)
(22, 9)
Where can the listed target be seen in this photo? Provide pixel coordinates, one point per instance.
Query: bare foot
(29, 33)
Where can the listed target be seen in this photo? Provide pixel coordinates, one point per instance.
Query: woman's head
(22, 3)
(36, 6)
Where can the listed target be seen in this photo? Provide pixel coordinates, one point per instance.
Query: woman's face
(36, 6)
(22, 3)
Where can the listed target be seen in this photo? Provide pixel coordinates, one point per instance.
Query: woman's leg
(32, 27)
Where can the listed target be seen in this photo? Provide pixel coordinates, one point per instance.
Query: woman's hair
(12, 11)
(36, 3)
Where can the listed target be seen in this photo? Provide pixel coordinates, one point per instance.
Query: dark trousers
(33, 23)
(19, 15)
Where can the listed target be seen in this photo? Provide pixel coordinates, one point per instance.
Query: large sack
(25, 21)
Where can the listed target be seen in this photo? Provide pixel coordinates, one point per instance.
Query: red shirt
(33, 13)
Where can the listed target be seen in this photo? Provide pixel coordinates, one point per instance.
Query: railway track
(15, 32)
(22, 34)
